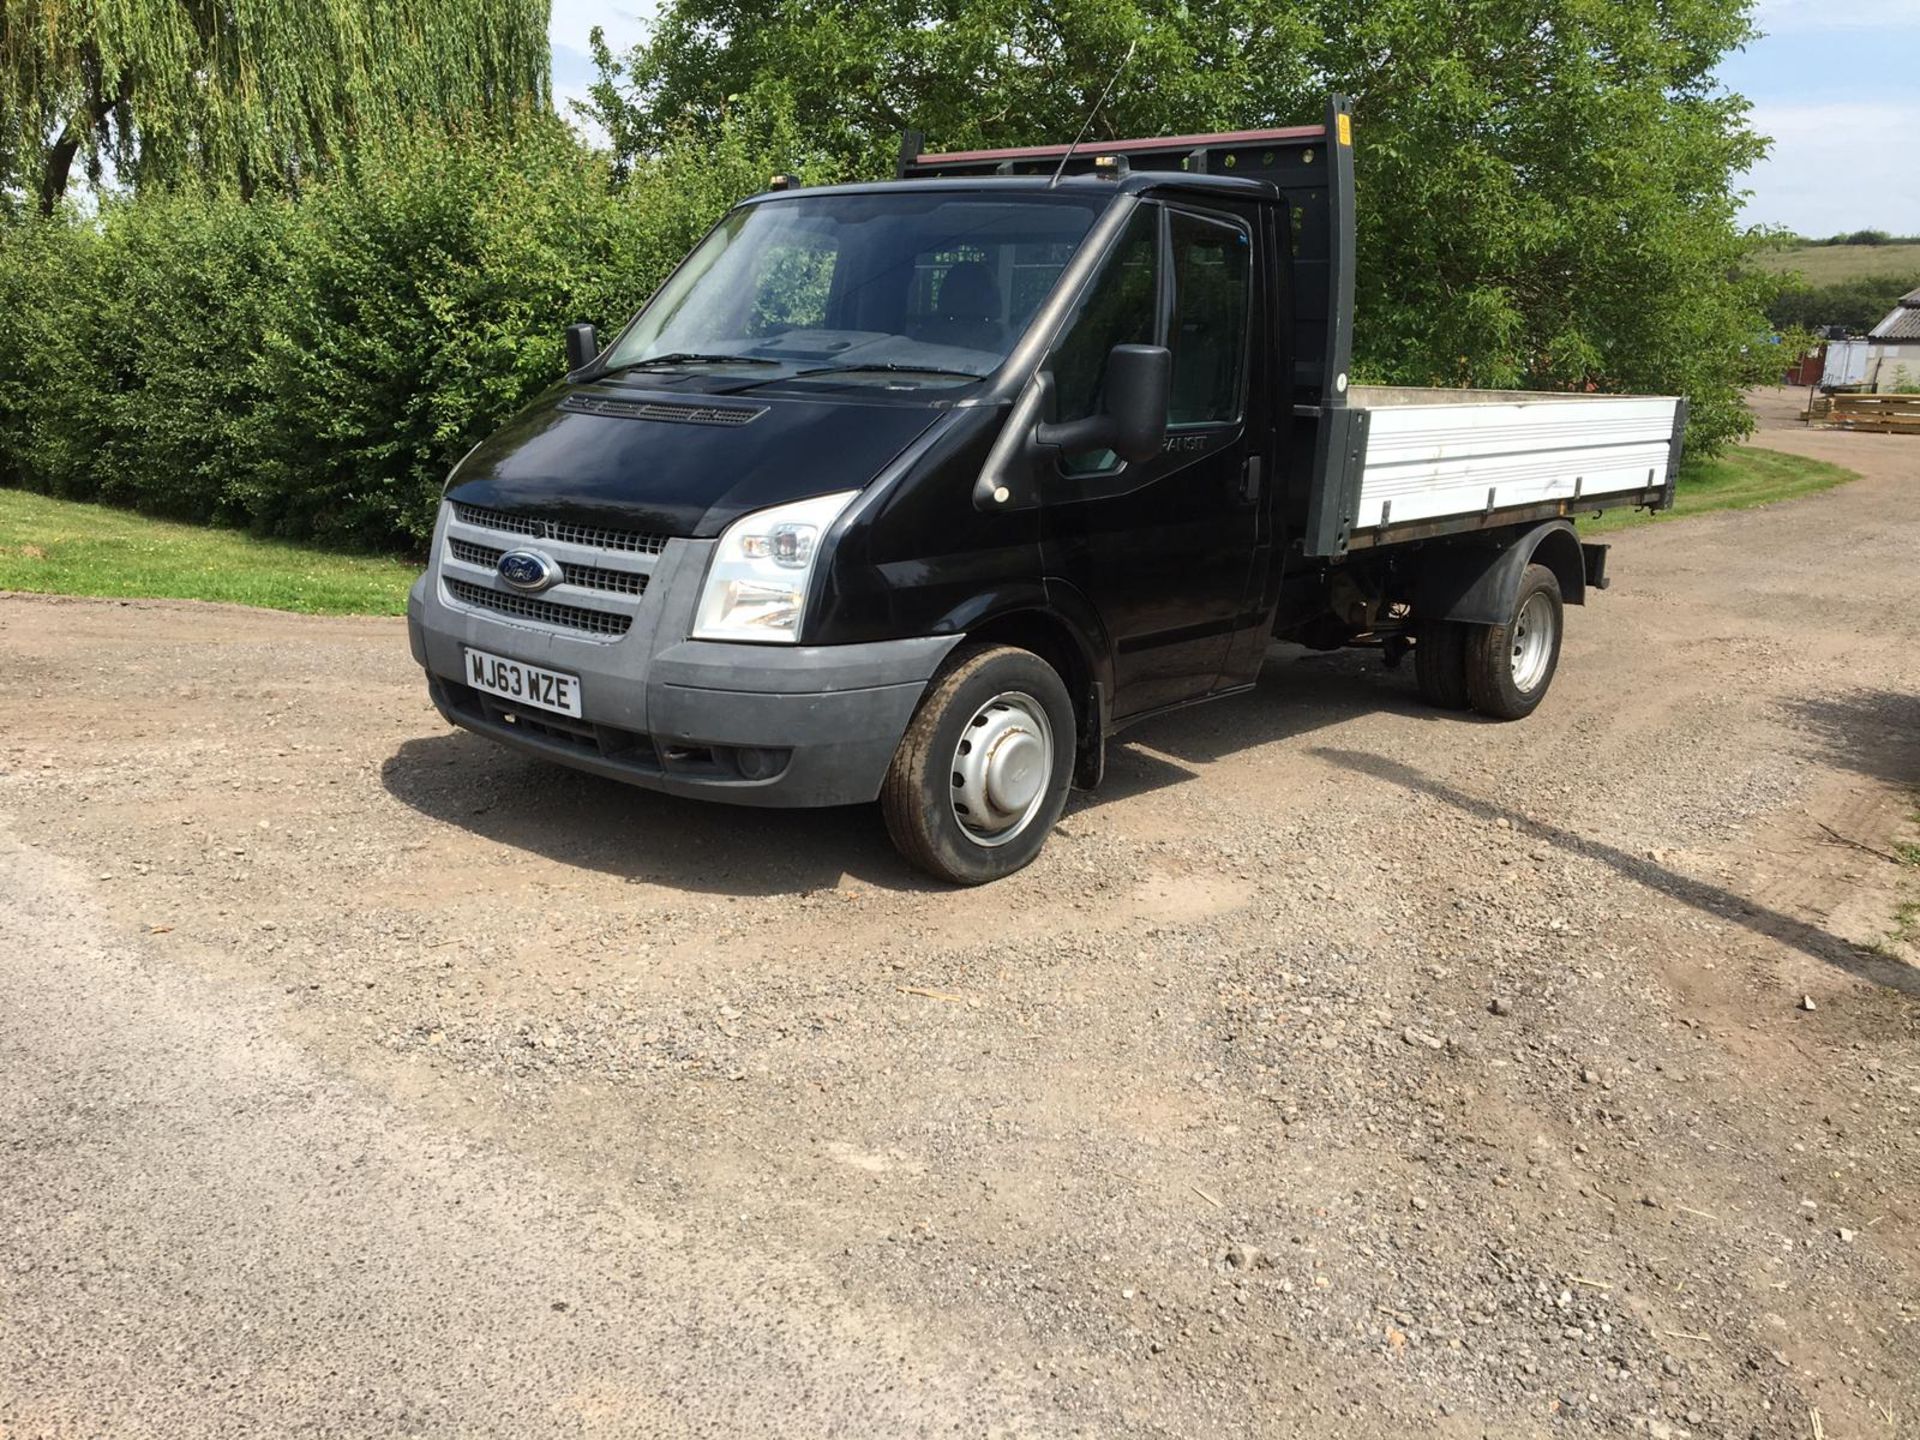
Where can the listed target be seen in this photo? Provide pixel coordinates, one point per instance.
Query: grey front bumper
(747, 724)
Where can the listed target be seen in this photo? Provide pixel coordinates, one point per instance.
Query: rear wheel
(1440, 663)
(1510, 666)
(983, 770)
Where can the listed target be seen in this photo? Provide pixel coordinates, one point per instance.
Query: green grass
(58, 547)
(1738, 480)
(1829, 264)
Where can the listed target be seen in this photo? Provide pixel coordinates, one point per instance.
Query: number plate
(523, 683)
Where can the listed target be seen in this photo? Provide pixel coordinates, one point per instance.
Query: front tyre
(983, 770)
(1510, 666)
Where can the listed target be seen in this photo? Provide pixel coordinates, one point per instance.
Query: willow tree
(258, 92)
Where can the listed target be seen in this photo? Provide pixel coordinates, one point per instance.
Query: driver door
(1163, 548)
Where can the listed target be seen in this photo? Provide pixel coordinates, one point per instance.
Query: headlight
(757, 585)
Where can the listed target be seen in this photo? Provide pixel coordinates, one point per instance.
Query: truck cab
(918, 491)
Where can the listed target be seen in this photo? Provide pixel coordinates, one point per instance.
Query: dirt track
(1342, 1068)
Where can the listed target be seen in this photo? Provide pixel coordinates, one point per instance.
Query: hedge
(314, 367)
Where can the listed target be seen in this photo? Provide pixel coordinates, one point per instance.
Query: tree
(263, 94)
(1547, 186)
(1859, 304)
(965, 71)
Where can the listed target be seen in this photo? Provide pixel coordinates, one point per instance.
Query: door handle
(1250, 481)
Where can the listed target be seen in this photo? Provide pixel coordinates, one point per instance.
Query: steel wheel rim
(1002, 767)
(1531, 641)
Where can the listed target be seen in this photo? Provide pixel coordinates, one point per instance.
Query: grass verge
(1738, 480)
(59, 547)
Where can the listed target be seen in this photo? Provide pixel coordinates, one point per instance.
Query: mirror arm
(1091, 432)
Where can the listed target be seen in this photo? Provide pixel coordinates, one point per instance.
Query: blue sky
(1834, 85)
(1832, 82)
(572, 22)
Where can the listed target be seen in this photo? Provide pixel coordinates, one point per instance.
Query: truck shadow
(576, 819)
(1300, 691)
(1712, 900)
(645, 838)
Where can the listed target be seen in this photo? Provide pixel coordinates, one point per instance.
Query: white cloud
(1835, 167)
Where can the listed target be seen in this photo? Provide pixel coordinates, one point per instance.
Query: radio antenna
(1118, 70)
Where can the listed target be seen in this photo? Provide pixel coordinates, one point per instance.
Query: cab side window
(1212, 293)
(1212, 290)
(1118, 310)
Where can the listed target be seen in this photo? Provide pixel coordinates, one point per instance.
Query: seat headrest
(968, 292)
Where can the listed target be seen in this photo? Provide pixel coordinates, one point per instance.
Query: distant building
(1893, 347)
(1888, 359)
(1810, 368)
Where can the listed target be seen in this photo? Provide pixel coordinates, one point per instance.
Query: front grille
(634, 542)
(474, 554)
(547, 612)
(610, 408)
(591, 577)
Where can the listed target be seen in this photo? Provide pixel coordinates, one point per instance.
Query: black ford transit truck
(919, 491)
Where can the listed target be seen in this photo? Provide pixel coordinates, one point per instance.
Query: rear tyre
(1440, 663)
(1510, 666)
(983, 770)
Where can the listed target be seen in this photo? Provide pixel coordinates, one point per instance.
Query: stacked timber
(1880, 414)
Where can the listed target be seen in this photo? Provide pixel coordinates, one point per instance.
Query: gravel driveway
(1343, 1067)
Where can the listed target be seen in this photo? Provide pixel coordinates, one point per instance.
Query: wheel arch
(1479, 584)
(1083, 664)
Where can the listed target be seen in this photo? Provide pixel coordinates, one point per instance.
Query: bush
(1859, 304)
(183, 290)
(50, 401)
(314, 368)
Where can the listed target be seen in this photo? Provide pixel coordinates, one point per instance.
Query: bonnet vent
(666, 410)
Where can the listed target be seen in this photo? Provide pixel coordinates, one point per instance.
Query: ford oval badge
(528, 570)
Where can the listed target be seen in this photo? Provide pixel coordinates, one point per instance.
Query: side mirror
(1133, 408)
(583, 344)
(1139, 386)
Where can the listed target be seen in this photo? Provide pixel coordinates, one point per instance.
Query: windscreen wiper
(885, 365)
(692, 357)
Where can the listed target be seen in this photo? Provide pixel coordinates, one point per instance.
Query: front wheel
(983, 770)
(1510, 666)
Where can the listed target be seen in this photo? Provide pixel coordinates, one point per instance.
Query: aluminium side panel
(1467, 457)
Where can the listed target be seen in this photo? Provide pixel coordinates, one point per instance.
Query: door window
(1118, 310)
(1212, 275)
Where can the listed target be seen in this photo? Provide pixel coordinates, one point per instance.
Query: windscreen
(915, 287)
